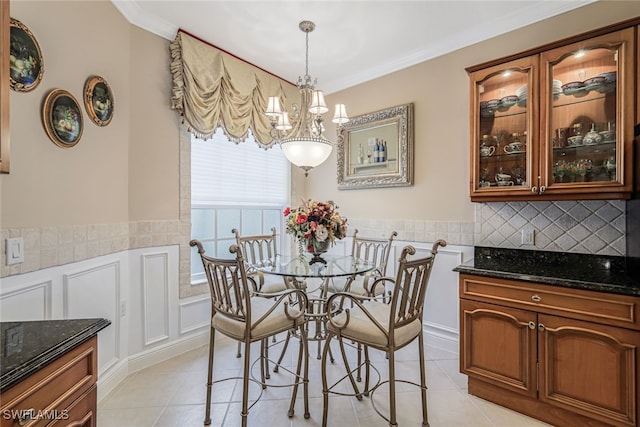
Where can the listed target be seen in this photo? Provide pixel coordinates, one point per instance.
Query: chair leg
(207, 416)
(325, 386)
(423, 382)
(348, 368)
(262, 364)
(266, 358)
(245, 383)
(284, 350)
(303, 356)
(367, 370)
(393, 422)
(238, 354)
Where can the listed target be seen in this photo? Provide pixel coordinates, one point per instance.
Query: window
(239, 186)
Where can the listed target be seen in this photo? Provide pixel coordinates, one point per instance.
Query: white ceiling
(354, 41)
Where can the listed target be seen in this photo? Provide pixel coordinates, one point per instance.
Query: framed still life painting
(62, 118)
(376, 149)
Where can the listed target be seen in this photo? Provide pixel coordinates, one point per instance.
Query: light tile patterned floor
(172, 394)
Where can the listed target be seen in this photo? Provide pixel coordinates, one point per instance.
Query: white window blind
(223, 172)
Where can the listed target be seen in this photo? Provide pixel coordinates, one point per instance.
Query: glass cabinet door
(503, 102)
(584, 105)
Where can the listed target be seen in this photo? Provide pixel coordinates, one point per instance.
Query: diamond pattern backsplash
(591, 227)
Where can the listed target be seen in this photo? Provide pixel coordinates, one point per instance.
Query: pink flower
(301, 219)
(287, 211)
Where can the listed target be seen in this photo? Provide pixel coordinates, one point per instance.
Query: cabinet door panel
(589, 368)
(503, 126)
(587, 115)
(499, 346)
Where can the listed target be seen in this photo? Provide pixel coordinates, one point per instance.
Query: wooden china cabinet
(556, 122)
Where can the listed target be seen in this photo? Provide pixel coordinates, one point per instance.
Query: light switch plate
(14, 250)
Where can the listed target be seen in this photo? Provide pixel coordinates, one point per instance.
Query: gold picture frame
(376, 149)
(98, 100)
(26, 64)
(62, 118)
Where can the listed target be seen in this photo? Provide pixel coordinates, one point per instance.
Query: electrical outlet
(528, 237)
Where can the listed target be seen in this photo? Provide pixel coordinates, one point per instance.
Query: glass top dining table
(297, 269)
(300, 267)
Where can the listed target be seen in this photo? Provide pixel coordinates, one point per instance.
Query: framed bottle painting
(98, 100)
(62, 118)
(26, 65)
(376, 149)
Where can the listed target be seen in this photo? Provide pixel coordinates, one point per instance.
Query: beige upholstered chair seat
(361, 327)
(271, 284)
(275, 322)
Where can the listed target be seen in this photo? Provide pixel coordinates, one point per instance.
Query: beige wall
(439, 88)
(88, 183)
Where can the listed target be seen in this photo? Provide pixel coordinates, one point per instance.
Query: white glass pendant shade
(340, 115)
(306, 153)
(273, 107)
(318, 106)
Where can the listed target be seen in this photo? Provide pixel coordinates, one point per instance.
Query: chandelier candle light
(303, 143)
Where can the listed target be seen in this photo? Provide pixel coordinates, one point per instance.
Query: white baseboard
(441, 337)
(167, 351)
(108, 381)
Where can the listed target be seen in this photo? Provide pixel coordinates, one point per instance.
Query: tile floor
(172, 394)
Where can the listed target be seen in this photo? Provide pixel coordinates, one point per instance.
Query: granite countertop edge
(29, 366)
(567, 283)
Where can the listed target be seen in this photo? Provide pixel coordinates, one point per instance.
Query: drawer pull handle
(536, 298)
(541, 327)
(542, 189)
(534, 190)
(25, 416)
(532, 325)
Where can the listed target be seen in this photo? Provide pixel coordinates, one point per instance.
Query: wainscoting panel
(95, 292)
(155, 290)
(32, 302)
(195, 313)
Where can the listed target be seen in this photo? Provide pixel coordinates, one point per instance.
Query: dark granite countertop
(28, 346)
(580, 271)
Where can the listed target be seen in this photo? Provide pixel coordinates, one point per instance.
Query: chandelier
(300, 133)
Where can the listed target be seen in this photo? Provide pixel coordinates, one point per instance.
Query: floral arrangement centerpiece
(315, 225)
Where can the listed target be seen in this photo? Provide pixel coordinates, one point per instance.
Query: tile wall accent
(453, 232)
(590, 227)
(51, 246)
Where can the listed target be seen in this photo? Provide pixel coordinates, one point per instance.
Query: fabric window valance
(212, 88)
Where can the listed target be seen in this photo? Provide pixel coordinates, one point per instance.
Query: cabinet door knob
(534, 189)
(542, 189)
(532, 325)
(541, 327)
(536, 298)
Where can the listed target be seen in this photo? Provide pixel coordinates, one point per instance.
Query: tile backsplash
(591, 227)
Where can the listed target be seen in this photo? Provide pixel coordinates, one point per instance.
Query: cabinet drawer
(82, 413)
(611, 309)
(49, 391)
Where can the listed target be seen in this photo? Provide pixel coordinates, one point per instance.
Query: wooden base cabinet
(542, 358)
(62, 393)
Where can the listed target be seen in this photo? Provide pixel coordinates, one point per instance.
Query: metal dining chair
(372, 250)
(260, 250)
(384, 325)
(238, 314)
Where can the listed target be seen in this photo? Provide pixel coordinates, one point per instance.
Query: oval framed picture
(26, 63)
(98, 100)
(62, 118)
